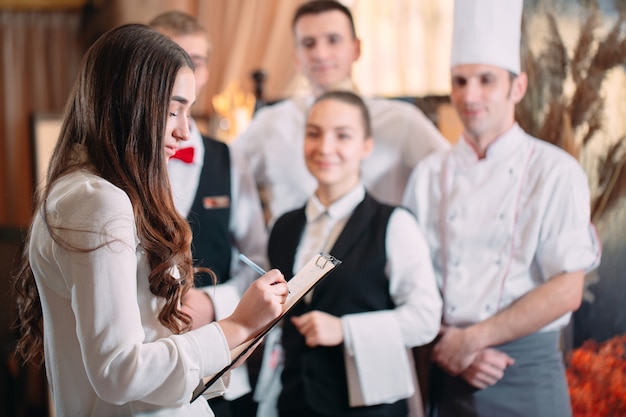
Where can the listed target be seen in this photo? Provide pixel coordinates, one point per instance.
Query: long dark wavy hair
(117, 112)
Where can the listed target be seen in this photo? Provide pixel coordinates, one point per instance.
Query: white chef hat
(487, 32)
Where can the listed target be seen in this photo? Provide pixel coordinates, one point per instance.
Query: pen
(243, 258)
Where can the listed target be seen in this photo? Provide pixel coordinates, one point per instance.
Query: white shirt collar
(184, 178)
(195, 142)
(341, 208)
(502, 147)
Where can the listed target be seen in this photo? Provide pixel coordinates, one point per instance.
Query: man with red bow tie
(214, 190)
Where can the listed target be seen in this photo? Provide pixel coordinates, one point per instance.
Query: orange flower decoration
(596, 375)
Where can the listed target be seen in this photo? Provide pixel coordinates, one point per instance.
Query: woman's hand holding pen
(262, 302)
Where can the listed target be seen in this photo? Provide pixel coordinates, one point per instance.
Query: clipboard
(300, 285)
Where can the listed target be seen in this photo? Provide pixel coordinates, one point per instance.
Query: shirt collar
(505, 145)
(341, 208)
(195, 142)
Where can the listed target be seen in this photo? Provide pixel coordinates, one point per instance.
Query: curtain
(40, 55)
(247, 35)
(405, 46)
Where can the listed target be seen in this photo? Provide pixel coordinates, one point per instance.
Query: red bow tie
(184, 154)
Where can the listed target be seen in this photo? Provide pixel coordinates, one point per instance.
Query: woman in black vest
(346, 343)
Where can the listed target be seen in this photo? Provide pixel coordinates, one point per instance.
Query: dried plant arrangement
(574, 120)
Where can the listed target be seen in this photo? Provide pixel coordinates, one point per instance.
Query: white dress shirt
(246, 226)
(500, 226)
(273, 145)
(106, 352)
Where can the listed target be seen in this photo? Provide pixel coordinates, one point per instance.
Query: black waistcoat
(209, 216)
(316, 376)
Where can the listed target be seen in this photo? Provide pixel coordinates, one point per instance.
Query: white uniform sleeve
(376, 342)
(568, 241)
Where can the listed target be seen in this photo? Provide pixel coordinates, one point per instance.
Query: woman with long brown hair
(107, 267)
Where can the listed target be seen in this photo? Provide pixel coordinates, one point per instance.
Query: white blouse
(106, 352)
(502, 225)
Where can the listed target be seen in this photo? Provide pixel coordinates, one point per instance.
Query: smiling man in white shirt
(326, 48)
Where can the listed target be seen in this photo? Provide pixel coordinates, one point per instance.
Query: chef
(507, 219)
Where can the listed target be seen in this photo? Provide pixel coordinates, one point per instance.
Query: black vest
(209, 216)
(316, 376)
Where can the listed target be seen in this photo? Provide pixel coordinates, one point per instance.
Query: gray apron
(535, 386)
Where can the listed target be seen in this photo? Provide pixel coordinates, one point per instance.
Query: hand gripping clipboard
(301, 283)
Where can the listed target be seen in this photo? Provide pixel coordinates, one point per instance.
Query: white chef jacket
(247, 229)
(106, 353)
(500, 226)
(274, 141)
(376, 342)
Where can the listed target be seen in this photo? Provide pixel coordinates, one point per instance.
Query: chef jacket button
(456, 262)
(498, 261)
(511, 172)
(450, 309)
(501, 216)
(452, 216)
(488, 307)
